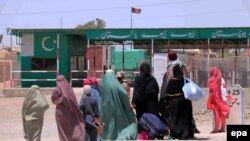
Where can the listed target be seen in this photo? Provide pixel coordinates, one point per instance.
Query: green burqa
(33, 109)
(119, 120)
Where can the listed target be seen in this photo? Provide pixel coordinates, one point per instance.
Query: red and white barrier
(32, 71)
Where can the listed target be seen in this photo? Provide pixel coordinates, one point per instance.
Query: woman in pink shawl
(215, 101)
(68, 116)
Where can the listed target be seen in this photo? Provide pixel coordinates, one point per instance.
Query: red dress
(215, 101)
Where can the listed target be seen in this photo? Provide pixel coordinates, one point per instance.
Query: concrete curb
(1, 93)
(22, 92)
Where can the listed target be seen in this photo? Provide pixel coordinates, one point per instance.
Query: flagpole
(131, 20)
(131, 24)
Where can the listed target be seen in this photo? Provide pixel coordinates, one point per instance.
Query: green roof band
(149, 33)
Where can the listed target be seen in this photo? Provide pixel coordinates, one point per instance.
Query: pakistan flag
(45, 45)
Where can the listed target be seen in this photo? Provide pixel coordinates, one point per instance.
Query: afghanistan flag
(136, 10)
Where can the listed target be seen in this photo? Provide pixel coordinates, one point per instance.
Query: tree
(1, 37)
(94, 24)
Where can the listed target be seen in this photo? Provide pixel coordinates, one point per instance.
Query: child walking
(91, 113)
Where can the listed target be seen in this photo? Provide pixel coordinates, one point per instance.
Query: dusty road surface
(11, 123)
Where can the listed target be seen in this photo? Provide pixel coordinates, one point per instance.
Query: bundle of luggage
(153, 127)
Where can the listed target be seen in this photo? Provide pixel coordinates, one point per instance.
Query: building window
(43, 63)
(78, 62)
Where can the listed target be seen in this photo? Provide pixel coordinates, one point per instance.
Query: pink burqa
(68, 116)
(215, 101)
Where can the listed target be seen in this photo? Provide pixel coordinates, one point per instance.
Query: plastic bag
(191, 90)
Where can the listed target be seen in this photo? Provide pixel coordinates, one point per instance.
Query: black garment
(90, 132)
(166, 78)
(162, 107)
(162, 102)
(146, 98)
(89, 108)
(180, 115)
(145, 95)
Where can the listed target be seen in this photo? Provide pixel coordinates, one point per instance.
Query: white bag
(224, 91)
(191, 90)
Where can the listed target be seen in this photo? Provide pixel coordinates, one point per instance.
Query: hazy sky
(117, 13)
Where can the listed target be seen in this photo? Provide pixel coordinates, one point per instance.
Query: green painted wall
(26, 66)
(77, 45)
(77, 48)
(45, 46)
(132, 58)
(64, 57)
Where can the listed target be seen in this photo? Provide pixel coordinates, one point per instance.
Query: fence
(74, 75)
(235, 70)
(35, 80)
(5, 74)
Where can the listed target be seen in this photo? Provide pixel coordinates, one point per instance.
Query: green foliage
(94, 24)
(1, 37)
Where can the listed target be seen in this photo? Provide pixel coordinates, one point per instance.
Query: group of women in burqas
(119, 122)
(175, 110)
(68, 117)
(113, 109)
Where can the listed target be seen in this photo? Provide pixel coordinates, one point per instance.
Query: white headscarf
(87, 89)
(174, 62)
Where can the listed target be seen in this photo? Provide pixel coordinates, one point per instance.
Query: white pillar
(57, 53)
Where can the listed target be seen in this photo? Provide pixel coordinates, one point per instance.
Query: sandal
(214, 131)
(221, 130)
(196, 131)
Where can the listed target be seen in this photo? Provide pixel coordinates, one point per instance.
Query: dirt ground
(11, 123)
